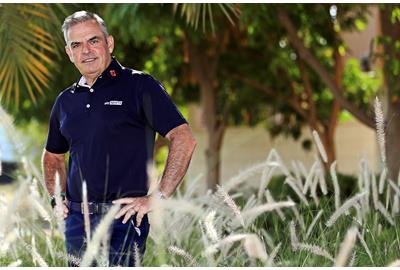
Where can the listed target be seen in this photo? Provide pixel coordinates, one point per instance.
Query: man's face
(89, 49)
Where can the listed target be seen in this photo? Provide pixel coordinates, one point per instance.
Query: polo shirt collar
(110, 73)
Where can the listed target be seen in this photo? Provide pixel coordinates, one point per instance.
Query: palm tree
(30, 39)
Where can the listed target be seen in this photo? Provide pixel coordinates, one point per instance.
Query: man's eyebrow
(90, 39)
(93, 38)
(74, 43)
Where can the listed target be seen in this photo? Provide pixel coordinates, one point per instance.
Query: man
(107, 121)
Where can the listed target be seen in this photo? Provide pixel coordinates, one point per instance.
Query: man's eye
(94, 41)
(75, 45)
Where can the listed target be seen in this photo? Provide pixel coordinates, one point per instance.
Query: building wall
(244, 147)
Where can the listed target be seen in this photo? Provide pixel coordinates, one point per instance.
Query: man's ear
(110, 44)
(68, 51)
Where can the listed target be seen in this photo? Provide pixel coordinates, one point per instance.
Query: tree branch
(313, 62)
(267, 90)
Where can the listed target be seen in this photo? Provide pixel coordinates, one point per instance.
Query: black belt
(94, 208)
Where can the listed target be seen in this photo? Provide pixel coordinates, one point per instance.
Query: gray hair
(80, 17)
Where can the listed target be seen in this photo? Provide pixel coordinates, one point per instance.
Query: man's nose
(85, 48)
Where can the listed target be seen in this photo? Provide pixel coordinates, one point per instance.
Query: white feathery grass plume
(296, 212)
(40, 208)
(227, 240)
(310, 177)
(59, 208)
(35, 254)
(396, 263)
(7, 240)
(15, 263)
(346, 205)
(359, 216)
(385, 213)
(302, 169)
(101, 230)
(364, 244)
(137, 255)
(352, 259)
(388, 197)
(180, 205)
(317, 250)
(396, 206)
(209, 225)
(346, 247)
(277, 158)
(103, 258)
(184, 254)
(335, 184)
(231, 203)
(69, 258)
(311, 227)
(298, 179)
(395, 187)
(50, 247)
(322, 182)
(374, 191)
(296, 190)
(270, 199)
(265, 179)
(379, 229)
(367, 185)
(203, 234)
(314, 189)
(86, 218)
(271, 258)
(253, 213)
(293, 237)
(12, 207)
(320, 146)
(243, 175)
(380, 129)
(382, 181)
(254, 248)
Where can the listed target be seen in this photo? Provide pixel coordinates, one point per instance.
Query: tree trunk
(392, 82)
(393, 140)
(203, 60)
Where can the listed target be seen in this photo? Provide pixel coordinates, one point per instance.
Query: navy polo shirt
(109, 131)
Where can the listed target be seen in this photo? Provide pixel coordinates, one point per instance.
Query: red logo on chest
(113, 73)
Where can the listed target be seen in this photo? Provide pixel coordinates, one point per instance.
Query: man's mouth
(89, 60)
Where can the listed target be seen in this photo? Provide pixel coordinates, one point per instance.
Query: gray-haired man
(107, 121)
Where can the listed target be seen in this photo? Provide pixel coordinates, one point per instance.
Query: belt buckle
(95, 210)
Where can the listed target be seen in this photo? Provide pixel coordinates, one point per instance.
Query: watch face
(53, 202)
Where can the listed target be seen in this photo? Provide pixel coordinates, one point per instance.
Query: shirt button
(91, 90)
(88, 106)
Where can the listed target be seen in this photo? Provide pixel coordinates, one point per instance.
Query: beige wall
(244, 146)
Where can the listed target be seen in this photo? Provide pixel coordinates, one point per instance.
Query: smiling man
(107, 121)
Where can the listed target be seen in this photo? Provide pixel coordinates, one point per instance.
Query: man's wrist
(158, 194)
(53, 199)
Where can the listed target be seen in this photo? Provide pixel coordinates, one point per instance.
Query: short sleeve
(56, 142)
(160, 111)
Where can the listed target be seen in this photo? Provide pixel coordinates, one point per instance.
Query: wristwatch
(158, 194)
(53, 200)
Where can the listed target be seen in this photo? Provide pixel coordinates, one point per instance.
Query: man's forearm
(179, 155)
(52, 164)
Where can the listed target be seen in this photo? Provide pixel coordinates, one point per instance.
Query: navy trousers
(122, 238)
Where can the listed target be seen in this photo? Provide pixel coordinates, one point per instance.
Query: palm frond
(30, 40)
(194, 13)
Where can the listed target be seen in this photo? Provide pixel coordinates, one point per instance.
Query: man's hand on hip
(139, 205)
(61, 210)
